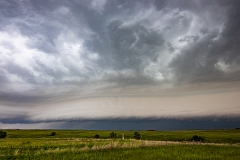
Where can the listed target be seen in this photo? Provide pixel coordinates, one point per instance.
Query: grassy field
(211, 136)
(80, 144)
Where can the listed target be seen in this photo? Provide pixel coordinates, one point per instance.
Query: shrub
(53, 133)
(97, 136)
(137, 135)
(113, 135)
(3, 134)
(197, 138)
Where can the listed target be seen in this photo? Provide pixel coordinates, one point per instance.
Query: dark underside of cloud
(65, 51)
(131, 124)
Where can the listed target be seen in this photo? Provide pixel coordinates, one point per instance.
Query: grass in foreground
(80, 144)
(157, 152)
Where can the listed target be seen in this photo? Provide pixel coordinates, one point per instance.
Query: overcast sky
(63, 62)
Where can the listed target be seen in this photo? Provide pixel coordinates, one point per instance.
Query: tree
(3, 134)
(53, 133)
(197, 138)
(113, 135)
(97, 136)
(137, 135)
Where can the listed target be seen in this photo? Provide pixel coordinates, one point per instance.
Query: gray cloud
(131, 124)
(214, 58)
(69, 50)
(133, 45)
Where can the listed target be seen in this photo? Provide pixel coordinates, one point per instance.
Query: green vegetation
(137, 135)
(113, 135)
(111, 149)
(82, 144)
(197, 138)
(97, 136)
(53, 133)
(209, 136)
(3, 134)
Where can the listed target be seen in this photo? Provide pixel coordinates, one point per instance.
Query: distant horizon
(131, 124)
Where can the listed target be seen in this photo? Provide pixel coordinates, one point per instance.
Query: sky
(118, 64)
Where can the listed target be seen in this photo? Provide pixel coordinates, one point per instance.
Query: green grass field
(211, 136)
(81, 144)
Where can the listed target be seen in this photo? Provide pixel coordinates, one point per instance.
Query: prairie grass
(141, 152)
(211, 136)
(80, 144)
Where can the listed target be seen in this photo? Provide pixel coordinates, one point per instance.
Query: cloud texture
(67, 60)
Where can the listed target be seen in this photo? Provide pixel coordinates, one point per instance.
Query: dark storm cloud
(16, 98)
(129, 124)
(214, 57)
(160, 4)
(193, 63)
(204, 30)
(67, 50)
(132, 46)
(119, 46)
(189, 39)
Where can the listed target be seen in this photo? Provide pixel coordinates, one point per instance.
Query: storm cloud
(96, 59)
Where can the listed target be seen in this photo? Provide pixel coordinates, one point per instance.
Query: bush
(53, 133)
(97, 136)
(197, 138)
(113, 135)
(137, 135)
(3, 134)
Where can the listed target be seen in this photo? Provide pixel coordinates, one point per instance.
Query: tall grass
(154, 152)
(80, 144)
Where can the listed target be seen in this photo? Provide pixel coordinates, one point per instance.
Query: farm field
(81, 144)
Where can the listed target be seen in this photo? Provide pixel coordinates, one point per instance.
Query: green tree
(3, 134)
(137, 135)
(53, 133)
(113, 135)
(97, 136)
(197, 138)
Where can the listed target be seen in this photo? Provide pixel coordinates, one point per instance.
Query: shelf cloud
(107, 59)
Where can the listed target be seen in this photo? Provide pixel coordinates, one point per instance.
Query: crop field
(81, 144)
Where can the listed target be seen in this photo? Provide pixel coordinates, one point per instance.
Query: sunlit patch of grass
(16, 152)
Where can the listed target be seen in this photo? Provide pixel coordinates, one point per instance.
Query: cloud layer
(72, 59)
